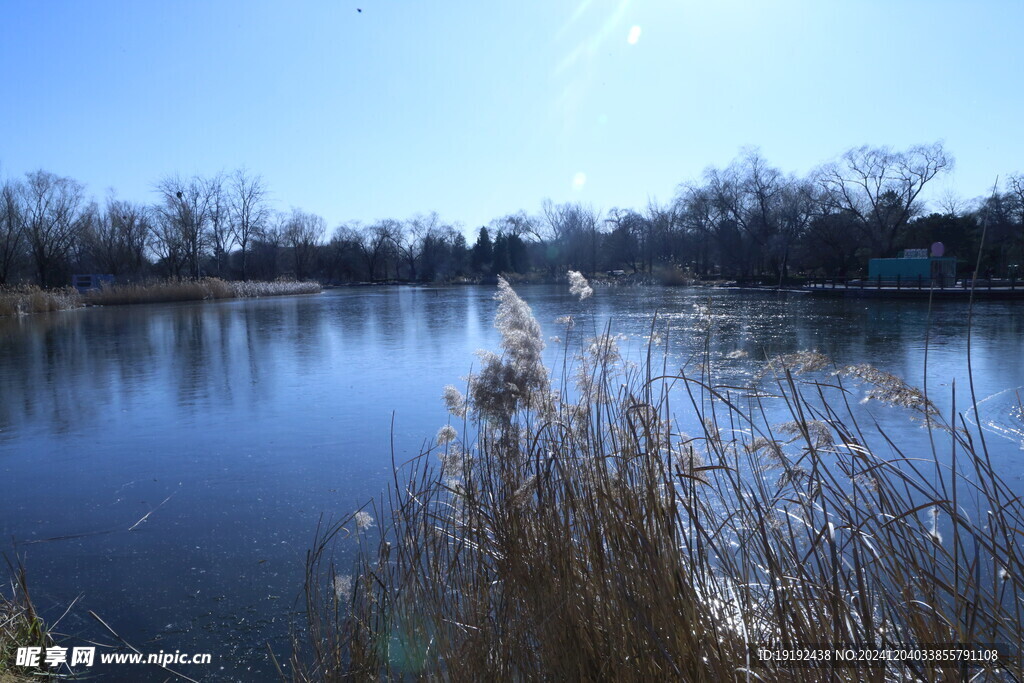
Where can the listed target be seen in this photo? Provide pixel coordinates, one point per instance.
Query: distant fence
(913, 283)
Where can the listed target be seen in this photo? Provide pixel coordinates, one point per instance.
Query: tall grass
(588, 538)
(194, 290)
(31, 299)
(277, 288)
(20, 626)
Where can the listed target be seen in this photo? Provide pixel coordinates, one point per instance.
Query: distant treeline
(749, 220)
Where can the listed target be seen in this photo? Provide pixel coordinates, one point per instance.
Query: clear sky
(477, 108)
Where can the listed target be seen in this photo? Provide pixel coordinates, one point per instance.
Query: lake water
(237, 425)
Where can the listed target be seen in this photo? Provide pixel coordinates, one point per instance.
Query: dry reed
(194, 290)
(591, 540)
(20, 626)
(29, 299)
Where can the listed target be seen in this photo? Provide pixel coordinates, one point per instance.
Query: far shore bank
(26, 300)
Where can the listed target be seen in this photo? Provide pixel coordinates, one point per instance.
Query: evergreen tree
(502, 261)
(483, 253)
(517, 254)
(460, 254)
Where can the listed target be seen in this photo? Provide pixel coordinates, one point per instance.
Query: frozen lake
(236, 425)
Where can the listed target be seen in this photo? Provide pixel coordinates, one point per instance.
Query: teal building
(928, 270)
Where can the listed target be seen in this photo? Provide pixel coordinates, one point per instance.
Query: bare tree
(53, 214)
(342, 257)
(1004, 215)
(373, 242)
(249, 211)
(117, 237)
(764, 189)
(518, 224)
(80, 255)
(303, 233)
(624, 244)
(746, 198)
(797, 206)
(266, 245)
(186, 209)
(168, 244)
(441, 252)
(12, 229)
(132, 222)
(705, 226)
(830, 243)
(219, 234)
(953, 204)
(1016, 187)
(573, 231)
(95, 249)
(410, 237)
(660, 223)
(880, 188)
(1015, 253)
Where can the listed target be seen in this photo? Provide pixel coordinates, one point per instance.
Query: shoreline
(30, 300)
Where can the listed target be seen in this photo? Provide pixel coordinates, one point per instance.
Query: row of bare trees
(423, 248)
(752, 220)
(41, 218)
(749, 219)
(48, 227)
(200, 218)
(222, 225)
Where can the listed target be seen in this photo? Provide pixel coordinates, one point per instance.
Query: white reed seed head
(342, 586)
(363, 520)
(518, 377)
(454, 401)
(446, 434)
(578, 285)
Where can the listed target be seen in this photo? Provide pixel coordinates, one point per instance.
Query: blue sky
(479, 108)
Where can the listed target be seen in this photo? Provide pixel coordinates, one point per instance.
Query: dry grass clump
(589, 539)
(31, 299)
(797, 363)
(194, 290)
(890, 389)
(673, 276)
(20, 626)
(278, 288)
(160, 292)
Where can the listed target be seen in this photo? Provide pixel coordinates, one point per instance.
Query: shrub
(673, 276)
